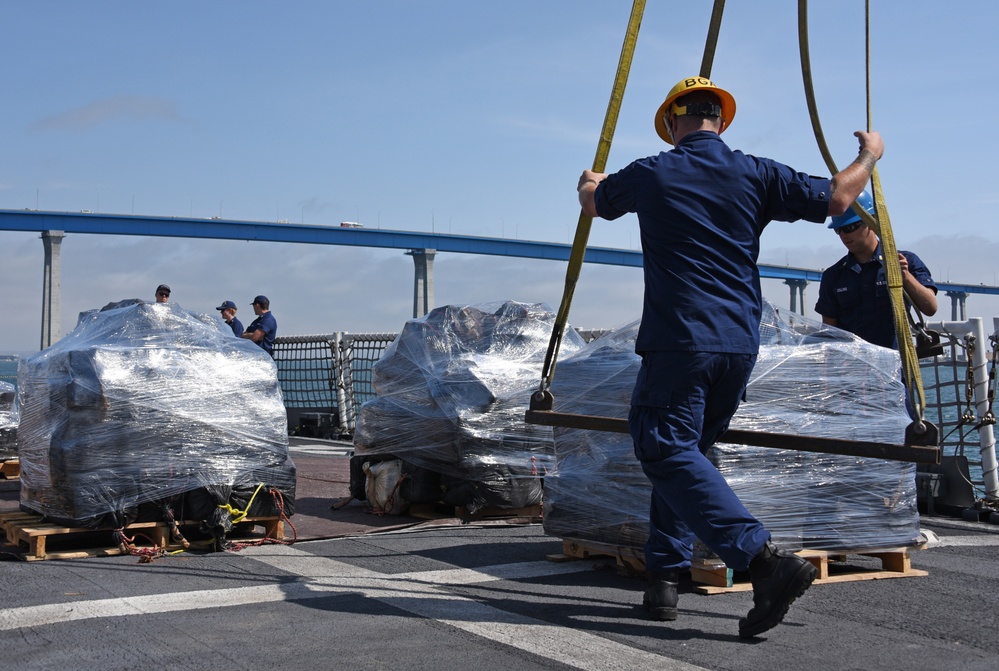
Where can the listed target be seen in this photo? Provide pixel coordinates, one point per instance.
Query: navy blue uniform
(856, 295)
(236, 326)
(268, 325)
(701, 208)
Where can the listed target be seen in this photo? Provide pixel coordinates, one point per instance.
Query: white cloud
(129, 108)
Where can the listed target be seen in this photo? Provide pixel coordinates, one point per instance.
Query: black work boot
(660, 596)
(778, 579)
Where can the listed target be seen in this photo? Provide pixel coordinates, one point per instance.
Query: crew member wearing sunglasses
(853, 293)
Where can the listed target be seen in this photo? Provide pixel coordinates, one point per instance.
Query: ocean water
(8, 371)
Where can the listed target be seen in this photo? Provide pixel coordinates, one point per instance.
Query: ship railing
(326, 378)
(966, 428)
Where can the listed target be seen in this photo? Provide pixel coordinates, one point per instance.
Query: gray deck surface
(447, 595)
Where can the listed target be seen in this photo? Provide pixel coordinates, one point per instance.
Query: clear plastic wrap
(809, 379)
(143, 406)
(8, 420)
(452, 391)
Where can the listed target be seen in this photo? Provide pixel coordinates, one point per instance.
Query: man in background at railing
(263, 329)
(162, 293)
(228, 310)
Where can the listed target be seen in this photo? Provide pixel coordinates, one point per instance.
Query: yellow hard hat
(689, 85)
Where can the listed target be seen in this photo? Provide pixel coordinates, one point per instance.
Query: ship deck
(360, 591)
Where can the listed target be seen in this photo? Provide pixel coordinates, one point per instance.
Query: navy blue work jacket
(856, 295)
(701, 209)
(268, 324)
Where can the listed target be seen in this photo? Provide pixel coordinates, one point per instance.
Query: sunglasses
(162, 294)
(849, 228)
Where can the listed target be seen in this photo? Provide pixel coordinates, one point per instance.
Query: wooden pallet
(10, 469)
(40, 540)
(629, 560)
(711, 576)
(532, 513)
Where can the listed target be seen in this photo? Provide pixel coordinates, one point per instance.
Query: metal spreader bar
(911, 452)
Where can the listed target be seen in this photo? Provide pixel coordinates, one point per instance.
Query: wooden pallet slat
(628, 559)
(711, 571)
(488, 513)
(10, 469)
(32, 534)
(711, 575)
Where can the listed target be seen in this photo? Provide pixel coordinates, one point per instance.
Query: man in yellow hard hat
(701, 210)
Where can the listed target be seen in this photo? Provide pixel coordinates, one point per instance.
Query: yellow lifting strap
(920, 445)
(600, 163)
(881, 225)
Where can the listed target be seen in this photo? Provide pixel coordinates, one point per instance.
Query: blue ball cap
(226, 305)
(261, 300)
(850, 216)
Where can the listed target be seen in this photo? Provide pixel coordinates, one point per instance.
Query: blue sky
(453, 116)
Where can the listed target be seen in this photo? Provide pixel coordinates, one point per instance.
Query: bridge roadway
(421, 245)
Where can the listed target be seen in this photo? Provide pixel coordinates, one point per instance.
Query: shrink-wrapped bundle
(8, 420)
(452, 390)
(810, 380)
(143, 406)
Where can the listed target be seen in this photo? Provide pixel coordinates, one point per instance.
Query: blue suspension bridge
(421, 246)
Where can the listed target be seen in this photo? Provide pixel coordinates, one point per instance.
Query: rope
(237, 514)
(881, 224)
(390, 499)
(236, 546)
(146, 555)
(599, 164)
(989, 417)
(968, 416)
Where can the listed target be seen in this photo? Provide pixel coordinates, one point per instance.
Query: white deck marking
(966, 541)
(421, 593)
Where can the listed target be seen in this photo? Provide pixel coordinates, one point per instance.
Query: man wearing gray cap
(228, 310)
(263, 329)
(162, 293)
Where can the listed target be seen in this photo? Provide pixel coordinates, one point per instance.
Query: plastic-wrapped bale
(598, 492)
(8, 420)
(809, 379)
(143, 406)
(451, 393)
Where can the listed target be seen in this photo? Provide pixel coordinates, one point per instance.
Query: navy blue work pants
(681, 403)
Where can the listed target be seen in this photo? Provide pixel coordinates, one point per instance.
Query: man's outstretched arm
(851, 180)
